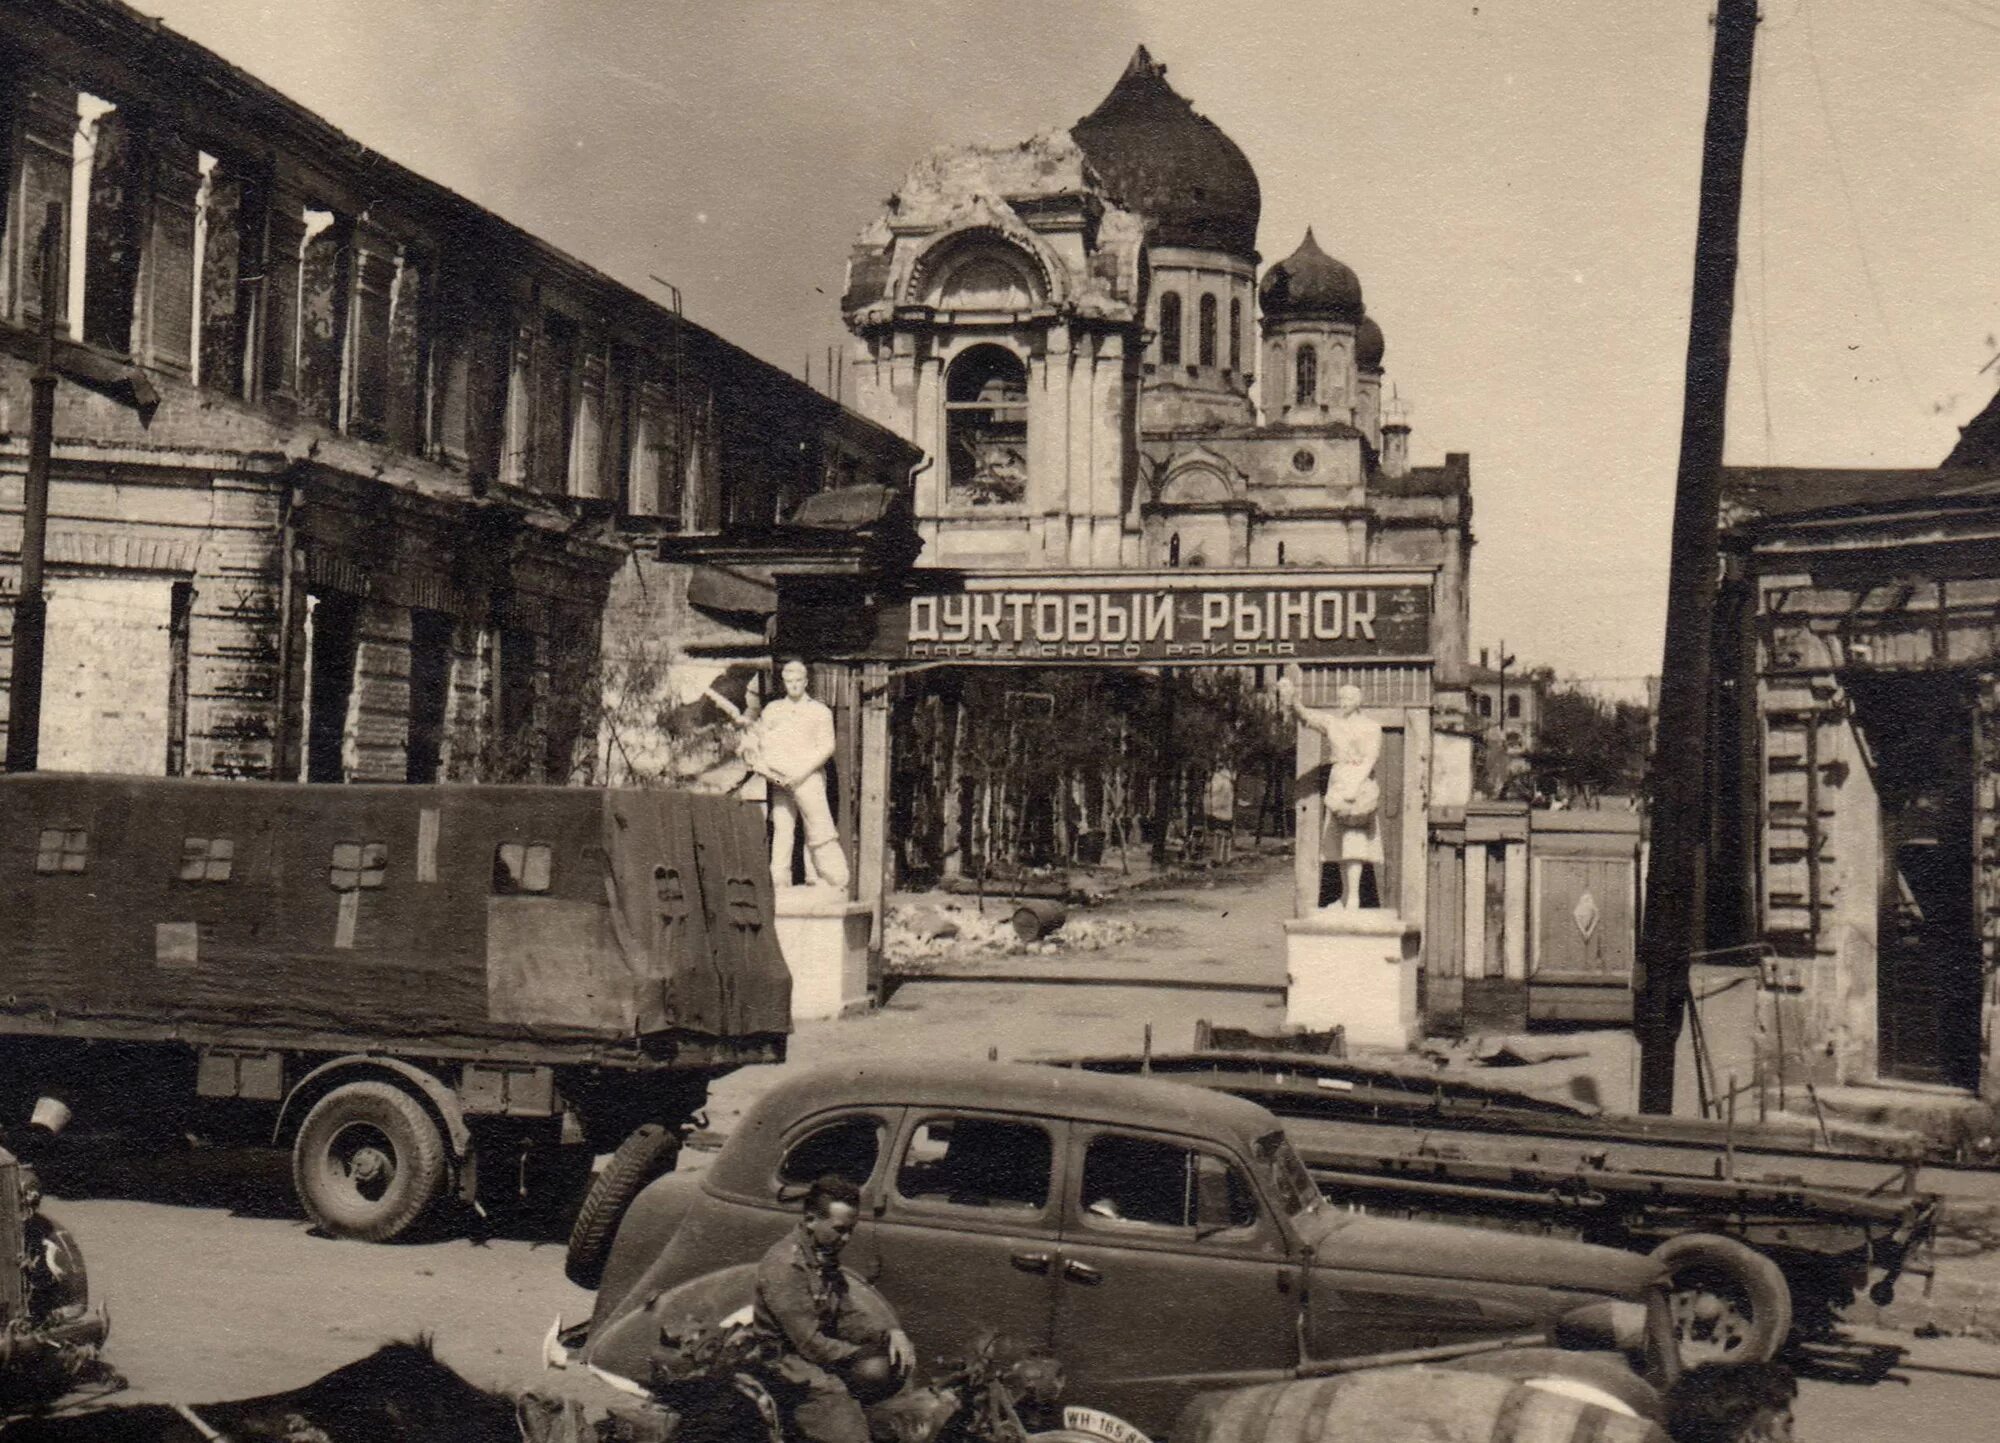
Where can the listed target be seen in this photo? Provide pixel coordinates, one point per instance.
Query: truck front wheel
(368, 1162)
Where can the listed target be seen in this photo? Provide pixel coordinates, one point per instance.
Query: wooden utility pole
(1679, 801)
(31, 607)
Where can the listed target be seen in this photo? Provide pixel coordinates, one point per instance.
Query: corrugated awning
(718, 588)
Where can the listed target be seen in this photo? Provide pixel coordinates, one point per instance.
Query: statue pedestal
(825, 941)
(1356, 969)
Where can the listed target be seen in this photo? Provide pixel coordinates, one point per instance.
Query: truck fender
(442, 1099)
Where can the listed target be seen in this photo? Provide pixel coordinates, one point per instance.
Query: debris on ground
(914, 937)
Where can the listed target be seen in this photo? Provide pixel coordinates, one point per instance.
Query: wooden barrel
(1036, 917)
(1392, 1405)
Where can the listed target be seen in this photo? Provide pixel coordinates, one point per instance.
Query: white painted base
(1355, 969)
(825, 941)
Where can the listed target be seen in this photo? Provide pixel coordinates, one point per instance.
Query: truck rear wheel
(1730, 1303)
(368, 1162)
(646, 1153)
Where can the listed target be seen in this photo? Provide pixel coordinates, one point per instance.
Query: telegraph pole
(31, 607)
(1679, 802)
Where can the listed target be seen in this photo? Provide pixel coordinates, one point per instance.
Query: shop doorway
(1918, 734)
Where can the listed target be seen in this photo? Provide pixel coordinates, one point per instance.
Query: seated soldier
(1732, 1403)
(805, 1311)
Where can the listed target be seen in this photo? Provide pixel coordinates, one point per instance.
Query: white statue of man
(1353, 797)
(789, 745)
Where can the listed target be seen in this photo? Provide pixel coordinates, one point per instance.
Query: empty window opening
(204, 204)
(522, 867)
(1305, 387)
(848, 1149)
(1205, 331)
(555, 404)
(62, 849)
(1170, 329)
(1236, 335)
(986, 427)
(1174, 549)
(180, 619)
(615, 448)
(207, 859)
(1144, 1181)
(107, 198)
(514, 704)
(331, 635)
(430, 691)
(977, 1162)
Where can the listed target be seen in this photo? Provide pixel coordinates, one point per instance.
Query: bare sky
(1514, 180)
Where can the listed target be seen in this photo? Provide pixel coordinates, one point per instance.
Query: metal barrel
(1383, 1405)
(1036, 917)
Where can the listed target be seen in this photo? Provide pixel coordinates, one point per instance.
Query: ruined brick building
(348, 472)
(1074, 330)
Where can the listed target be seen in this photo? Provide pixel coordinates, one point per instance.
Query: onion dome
(1310, 285)
(1368, 345)
(1155, 155)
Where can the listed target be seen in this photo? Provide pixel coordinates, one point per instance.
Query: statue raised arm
(1351, 835)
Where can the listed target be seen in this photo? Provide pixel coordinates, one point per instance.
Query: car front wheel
(1730, 1303)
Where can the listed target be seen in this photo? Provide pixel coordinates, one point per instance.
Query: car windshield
(1286, 1176)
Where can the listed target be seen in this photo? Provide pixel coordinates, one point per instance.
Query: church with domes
(1075, 330)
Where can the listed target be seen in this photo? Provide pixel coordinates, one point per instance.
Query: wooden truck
(409, 986)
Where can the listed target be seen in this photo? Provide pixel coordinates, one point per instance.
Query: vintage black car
(1160, 1239)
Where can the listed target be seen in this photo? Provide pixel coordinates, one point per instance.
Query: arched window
(986, 428)
(1170, 329)
(1236, 335)
(1305, 388)
(1513, 706)
(1206, 353)
(1174, 549)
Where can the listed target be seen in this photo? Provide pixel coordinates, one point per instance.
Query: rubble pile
(922, 936)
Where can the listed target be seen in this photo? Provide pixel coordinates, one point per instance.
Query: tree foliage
(1586, 746)
(1015, 767)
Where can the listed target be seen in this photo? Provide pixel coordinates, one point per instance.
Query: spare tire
(1730, 1303)
(646, 1153)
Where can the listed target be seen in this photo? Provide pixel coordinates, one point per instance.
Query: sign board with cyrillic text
(1149, 620)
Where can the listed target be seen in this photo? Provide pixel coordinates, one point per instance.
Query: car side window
(977, 1162)
(847, 1147)
(1149, 1182)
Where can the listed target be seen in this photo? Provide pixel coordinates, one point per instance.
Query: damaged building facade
(1075, 332)
(351, 477)
(1856, 856)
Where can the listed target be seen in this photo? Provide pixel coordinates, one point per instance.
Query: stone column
(278, 299)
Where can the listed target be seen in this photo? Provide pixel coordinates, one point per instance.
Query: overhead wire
(1761, 337)
(1971, 12)
(1853, 212)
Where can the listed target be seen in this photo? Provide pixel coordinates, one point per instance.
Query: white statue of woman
(790, 744)
(1353, 797)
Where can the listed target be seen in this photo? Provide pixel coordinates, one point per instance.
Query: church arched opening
(986, 427)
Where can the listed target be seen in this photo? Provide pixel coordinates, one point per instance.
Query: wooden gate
(1530, 917)
(1583, 877)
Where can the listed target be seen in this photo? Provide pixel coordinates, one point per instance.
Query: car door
(966, 1228)
(1172, 1268)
